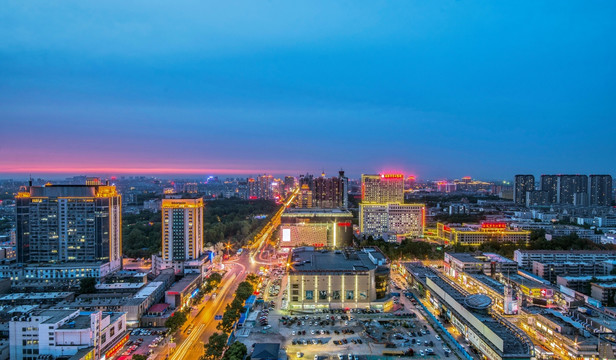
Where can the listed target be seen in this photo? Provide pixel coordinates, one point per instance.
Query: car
(350, 357)
(312, 331)
(314, 341)
(304, 342)
(421, 353)
(340, 357)
(355, 357)
(299, 354)
(267, 327)
(437, 337)
(293, 332)
(316, 357)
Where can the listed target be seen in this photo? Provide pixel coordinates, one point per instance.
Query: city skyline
(439, 90)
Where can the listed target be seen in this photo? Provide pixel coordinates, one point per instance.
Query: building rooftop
(581, 252)
(53, 315)
(35, 296)
(183, 283)
(149, 289)
(489, 282)
(306, 259)
(316, 212)
(512, 343)
(600, 278)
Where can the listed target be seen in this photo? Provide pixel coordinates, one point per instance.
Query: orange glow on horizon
(134, 170)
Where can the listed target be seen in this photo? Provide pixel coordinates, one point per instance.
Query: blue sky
(432, 88)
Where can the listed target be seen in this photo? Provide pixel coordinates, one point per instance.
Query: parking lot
(354, 335)
(142, 342)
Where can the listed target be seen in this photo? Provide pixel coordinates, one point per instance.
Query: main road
(190, 346)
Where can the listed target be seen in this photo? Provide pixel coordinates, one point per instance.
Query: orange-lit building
(466, 234)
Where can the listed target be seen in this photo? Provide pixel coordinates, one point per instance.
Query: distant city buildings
(523, 184)
(323, 192)
(565, 190)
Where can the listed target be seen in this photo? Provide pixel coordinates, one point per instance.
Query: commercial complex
(59, 226)
(59, 332)
(321, 279)
(484, 263)
(479, 234)
(472, 316)
(330, 228)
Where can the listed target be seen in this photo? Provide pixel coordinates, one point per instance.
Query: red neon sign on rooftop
(392, 176)
(493, 225)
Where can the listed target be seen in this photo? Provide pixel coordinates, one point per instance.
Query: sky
(437, 89)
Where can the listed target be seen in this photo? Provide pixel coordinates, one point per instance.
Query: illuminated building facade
(392, 221)
(382, 188)
(61, 224)
(523, 184)
(304, 199)
(182, 231)
(320, 279)
(260, 187)
(320, 228)
(479, 234)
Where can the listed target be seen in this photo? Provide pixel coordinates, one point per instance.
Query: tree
(176, 321)
(229, 317)
(87, 285)
(236, 351)
(139, 357)
(212, 282)
(253, 279)
(215, 346)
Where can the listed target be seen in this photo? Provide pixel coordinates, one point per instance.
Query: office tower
(289, 184)
(382, 189)
(304, 200)
(600, 190)
(252, 189)
(59, 224)
(265, 186)
(549, 183)
(569, 186)
(182, 230)
(523, 184)
(392, 221)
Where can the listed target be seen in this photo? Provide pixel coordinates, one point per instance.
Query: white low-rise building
(62, 332)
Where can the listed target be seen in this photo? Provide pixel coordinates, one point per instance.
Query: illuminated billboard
(286, 235)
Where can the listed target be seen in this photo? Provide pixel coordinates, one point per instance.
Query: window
(295, 292)
(309, 294)
(336, 295)
(363, 295)
(322, 295)
(350, 295)
(295, 298)
(295, 286)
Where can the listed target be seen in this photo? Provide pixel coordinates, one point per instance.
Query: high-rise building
(329, 193)
(600, 190)
(260, 187)
(523, 184)
(304, 199)
(382, 189)
(392, 221)
(549, 183)
(182, 231)
(569, 186)
(59, 224)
